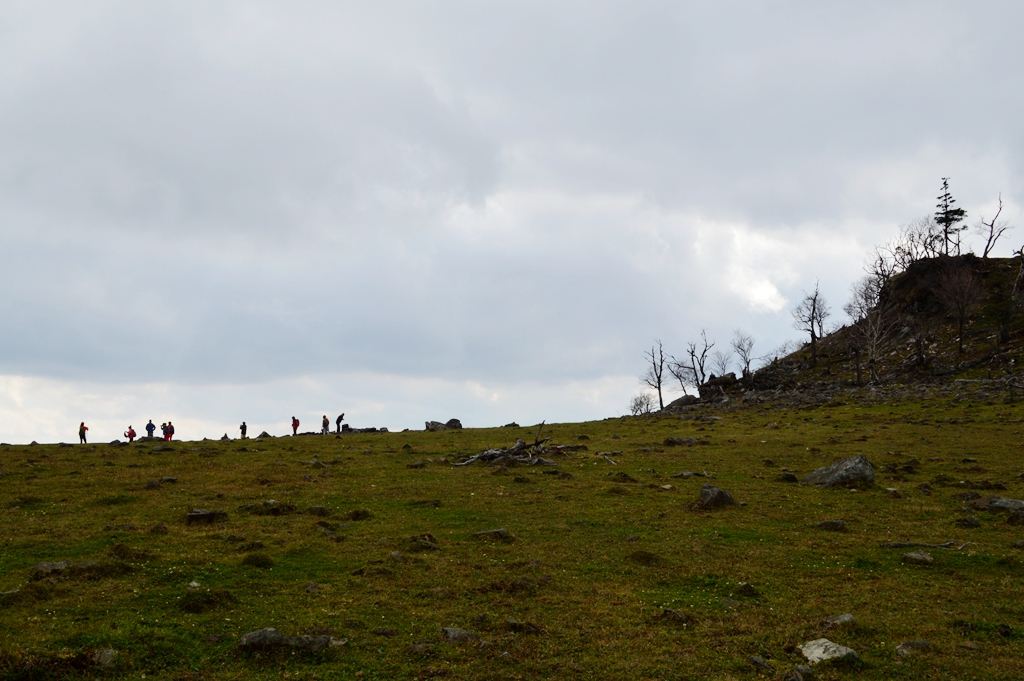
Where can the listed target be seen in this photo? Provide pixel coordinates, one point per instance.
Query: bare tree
(691, 370)
(720, 362)
(810, 316)
(960, 293)
(992, 229)
(641, 404)
(743, 346)
(872, 324)
(656, 370)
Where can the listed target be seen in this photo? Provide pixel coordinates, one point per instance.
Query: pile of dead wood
(521, 453)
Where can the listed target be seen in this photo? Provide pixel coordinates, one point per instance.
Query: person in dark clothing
(150, 428)
(163, 430)
(325, 426)
(295, 426)
(82, 428)
(337, 422)
(170, 431)
(243, 428)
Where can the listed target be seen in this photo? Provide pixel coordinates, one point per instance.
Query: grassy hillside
(604, 543)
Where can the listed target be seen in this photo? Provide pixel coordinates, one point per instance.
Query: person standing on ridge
(170, 431)
(150, 428)
(81, 432)
(325, 426)
(243, 428)
(337, 422)
(130, 434)
(295, 426)
(163, 430)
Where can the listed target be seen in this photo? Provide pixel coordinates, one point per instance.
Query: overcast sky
(406, 211)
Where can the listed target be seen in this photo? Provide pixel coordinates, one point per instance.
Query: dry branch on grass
(533, 454)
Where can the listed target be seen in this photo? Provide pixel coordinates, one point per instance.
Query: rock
(894, 493)
(263, 435)
(908, 648)
(679, 442)
(997, 504)
(747, 590)
(523, 627)
(801, 672)
(712, 497)
(855, 472)
(684, 401)
(270, 639)
(787, 476)
(433, 426)
(689, 474)
(676, 617)
(823, 650)
(499, 535)
(511, 425)
(104, 658)
(843, 620)
(421, 542)
(453, 424)
(918, 558)
(621, 476)
(199, 516)
(968, 522)
(458, 635)
(832, 525)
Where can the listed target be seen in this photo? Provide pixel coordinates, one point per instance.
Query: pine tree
(947, 217)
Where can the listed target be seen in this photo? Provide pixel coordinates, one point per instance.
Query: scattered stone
(844, 620)
(200, 516)
(268, 507)
(997, 504)
(676, 617)
(832, 525)
(679, 442)
(104, 658)
(646, 558)
(511, 425)
(523, 627)
(747, 590)
(689, 474)
(801, 672)
(712, 497)
(263, 435)
(205, 601)
(499, 535)
(823, 650)
(453, 424)
(787, 476)
(918, 558)
(258, 560)
(458, 635)
(908, 648)
(855, 472)
(270, 639)
(894, 493)
(422, 542)
(968, 522)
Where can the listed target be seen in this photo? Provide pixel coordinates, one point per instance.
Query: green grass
(595, 561)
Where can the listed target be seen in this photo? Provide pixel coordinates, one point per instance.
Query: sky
(486, 210)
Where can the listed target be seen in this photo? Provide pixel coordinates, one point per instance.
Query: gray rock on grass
(856, 472)
(712, 497)
(823, 650)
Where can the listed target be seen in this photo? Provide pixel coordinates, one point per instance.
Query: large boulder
(855, 471)
(712, 497)
(823, 650)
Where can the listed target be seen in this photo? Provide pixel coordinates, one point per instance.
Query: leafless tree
(872, 324)
(743, 346)
(810, 316)
(691, 370)
(641, 404)
(992, 230)
(655, 370)
(960, 293)
(720, 362)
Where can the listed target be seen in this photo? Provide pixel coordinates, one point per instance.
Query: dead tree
(873, 323)
(960, 293)
(743, 346)
(720, 362)
(948, 217)
(809, 316)
(691, 370)
(641, 404)
(655, 370)
(992, 229)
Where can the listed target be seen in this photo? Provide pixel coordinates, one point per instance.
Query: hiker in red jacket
(170, 431)
(130, 434)
(295, 426)
(81, 432)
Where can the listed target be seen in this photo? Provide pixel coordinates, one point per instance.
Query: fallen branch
(521, 453)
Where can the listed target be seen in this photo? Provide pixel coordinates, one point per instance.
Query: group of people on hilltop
(167, 429)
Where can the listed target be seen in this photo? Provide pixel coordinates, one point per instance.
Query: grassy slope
(569, 572)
